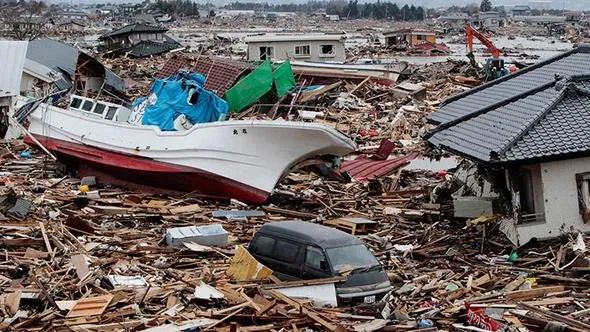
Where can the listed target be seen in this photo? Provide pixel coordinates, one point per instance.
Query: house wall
(560, 199)
(410, 39)
(93, 83)
(285, 50)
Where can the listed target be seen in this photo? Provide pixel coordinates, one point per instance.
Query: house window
(528, 182)
(303, 50)
(527, 198)
(266, 53)
(421, 37)
(583, 183)
(326, 50)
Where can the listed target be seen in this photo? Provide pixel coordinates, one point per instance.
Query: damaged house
(138, 40)
(78, 69)
(531, 128)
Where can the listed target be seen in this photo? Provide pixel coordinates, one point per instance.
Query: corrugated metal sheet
(13, 55)
(366, 169)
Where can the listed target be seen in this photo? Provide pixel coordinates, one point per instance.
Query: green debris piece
(250, 88)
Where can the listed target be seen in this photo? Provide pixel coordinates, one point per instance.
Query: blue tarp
(186, 96)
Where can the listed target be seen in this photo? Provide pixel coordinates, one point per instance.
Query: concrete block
(472, 207)
(208, 235)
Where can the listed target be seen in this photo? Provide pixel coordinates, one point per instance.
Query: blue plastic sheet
(182, 95)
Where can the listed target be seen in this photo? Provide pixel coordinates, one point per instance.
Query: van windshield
(354, 256)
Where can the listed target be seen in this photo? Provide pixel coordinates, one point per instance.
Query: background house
(531, 127)
(488, 20)
(521, 10)
(318, 48)
(139, 40)
(409, 37)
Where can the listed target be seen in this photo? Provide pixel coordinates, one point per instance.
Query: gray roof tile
(523, 116)
(571, 63)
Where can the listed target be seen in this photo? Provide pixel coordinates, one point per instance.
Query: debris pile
(85, 255)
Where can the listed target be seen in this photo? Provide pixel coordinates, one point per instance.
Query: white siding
(285, 50)
(560, 194)
(13, 55)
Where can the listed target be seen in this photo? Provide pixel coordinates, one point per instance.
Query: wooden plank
(557, 317)
(90, 306)
(45, 238)
(551, 301)
(533, 293)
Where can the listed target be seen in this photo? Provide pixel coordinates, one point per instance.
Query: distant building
(73, 15)
(71, 26)
(489, 20)
(455, 18)
(319, 48)
(539, 19)
(409, 37)
(574, 16)
(139, 40)
(521, 10)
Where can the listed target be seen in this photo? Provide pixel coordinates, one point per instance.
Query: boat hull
(235, 159)
(151, 173)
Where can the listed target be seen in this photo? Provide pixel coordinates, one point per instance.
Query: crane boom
(470, 32)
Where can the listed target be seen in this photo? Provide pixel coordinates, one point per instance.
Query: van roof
(322, 236)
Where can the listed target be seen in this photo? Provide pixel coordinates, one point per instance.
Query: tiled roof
(133, 28)
(221, 73)
(550, 121)
(574, 62)
(147, 48)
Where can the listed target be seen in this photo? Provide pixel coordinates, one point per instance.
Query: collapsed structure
(530, 126)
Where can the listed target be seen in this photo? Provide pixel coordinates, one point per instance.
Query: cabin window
(421, 37)
(99, 108)
(327, 50)
(583, 183)
(76, 102)
(266, 53)
(303, 50)
(111, 113)
(87, 106)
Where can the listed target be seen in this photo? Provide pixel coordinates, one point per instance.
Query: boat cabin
(100, 109)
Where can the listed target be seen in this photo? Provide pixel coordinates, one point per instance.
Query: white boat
(241, 159)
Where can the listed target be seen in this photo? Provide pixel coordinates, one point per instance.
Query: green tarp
(284, 78)
(259, 82)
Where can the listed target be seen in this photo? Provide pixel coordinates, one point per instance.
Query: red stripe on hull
(153, 173)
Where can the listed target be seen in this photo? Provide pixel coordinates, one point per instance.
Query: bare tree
(25, 20)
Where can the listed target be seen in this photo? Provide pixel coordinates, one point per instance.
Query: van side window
(286, 251)
(263, 246)
(313, 257)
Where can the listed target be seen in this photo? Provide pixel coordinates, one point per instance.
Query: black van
(301, 250)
